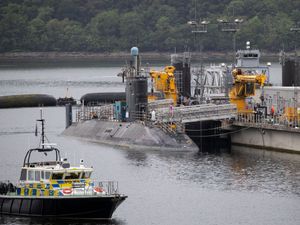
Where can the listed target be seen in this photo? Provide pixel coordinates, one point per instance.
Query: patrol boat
(57, 189)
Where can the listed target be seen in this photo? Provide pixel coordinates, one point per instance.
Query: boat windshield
(57, 176)
(73, 175)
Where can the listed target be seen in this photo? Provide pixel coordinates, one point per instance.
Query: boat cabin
(50, 171)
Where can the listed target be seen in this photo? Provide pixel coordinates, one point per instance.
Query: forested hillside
(153, 25)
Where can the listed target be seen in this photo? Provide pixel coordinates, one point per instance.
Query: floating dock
(268, 133)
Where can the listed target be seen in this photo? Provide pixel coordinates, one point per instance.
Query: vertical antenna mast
(43, 129)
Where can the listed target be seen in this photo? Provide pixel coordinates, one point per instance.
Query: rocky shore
(118, 56)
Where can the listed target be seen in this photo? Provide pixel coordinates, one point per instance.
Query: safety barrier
(267, 121)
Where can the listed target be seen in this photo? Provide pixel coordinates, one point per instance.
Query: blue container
(120, 110)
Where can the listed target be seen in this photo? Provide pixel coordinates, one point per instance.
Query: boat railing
(110, 187)
(107, 187)
(88, 188)
(71, 187)
(67, 186)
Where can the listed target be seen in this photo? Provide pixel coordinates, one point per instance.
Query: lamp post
(198, 27)
(231, 27)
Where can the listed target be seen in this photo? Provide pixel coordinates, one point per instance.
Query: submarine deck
(130, 135)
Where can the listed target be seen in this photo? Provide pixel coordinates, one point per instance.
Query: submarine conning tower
(136, 89)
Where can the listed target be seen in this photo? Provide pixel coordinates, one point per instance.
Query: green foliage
(153, 25)
(13, 28)
(104, 31)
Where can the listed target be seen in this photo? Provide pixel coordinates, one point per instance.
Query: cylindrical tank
(291, 72)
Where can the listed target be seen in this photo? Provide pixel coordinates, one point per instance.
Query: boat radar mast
(43, 147)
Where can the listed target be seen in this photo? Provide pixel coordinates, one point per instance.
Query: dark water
(243, 187)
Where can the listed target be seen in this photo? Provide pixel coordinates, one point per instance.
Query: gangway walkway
(181, 114)
(195, 113)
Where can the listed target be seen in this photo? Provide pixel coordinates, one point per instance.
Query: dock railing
(267, 121)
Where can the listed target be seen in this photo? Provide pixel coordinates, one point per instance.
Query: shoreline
(120, 56)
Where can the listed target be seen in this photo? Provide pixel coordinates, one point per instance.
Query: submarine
(129, 124)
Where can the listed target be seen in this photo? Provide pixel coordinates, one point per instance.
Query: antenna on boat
(44, 147)
(43, 128)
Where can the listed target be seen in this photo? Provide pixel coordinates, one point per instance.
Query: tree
(104, 31)
(131, 30)
(163, 33)
(64, 35)
(153, 25)
(255, 28)
(36, 35)
(13, 28)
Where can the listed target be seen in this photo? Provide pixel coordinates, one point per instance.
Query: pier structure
(265, 132)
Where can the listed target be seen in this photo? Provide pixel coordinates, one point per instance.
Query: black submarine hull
(69, 207)
(27, 100)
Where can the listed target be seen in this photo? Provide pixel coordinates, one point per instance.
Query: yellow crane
(164, 81)
(244, 85)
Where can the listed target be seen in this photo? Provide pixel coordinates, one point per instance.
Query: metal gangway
(196, 113)
(158, 104)
(165, 112)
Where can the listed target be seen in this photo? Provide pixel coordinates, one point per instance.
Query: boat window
(30, 175)
(42, 175)
(23, 174)
(57, 176)
(37, 175)
(73, 175)
(47, 175)
(86, 175)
